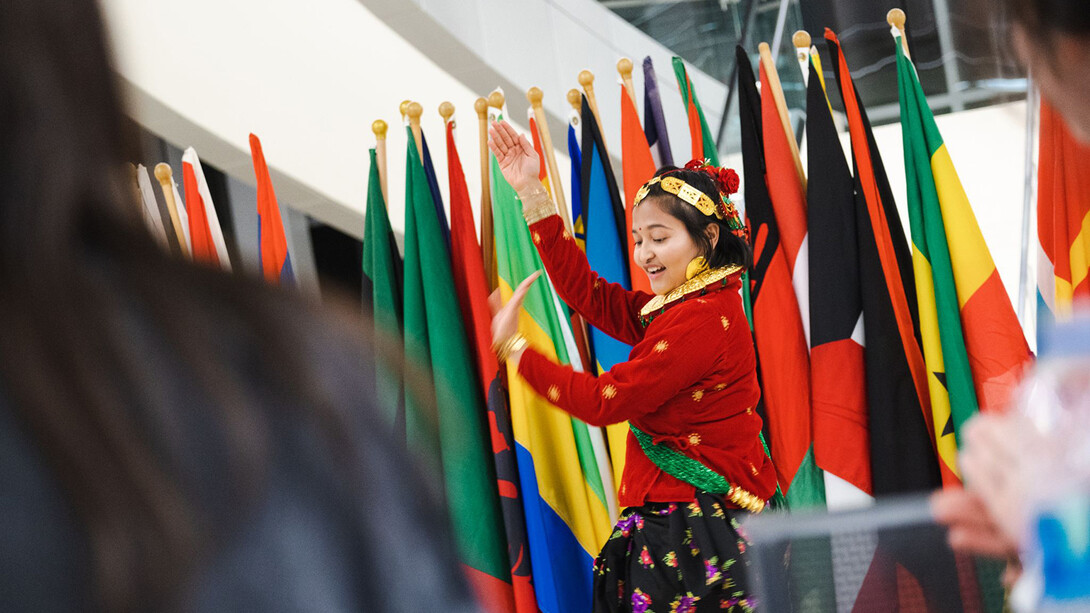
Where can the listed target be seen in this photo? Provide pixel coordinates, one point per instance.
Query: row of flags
(191, 225)
(847, 391)
(872, 350)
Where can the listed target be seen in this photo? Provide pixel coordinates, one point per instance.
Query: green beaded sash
(696, 473)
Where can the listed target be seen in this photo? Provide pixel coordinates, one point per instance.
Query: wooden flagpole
(379, 128)
(535, 96)
(166, 182)
(414, 111)
(586, 79)
(781, 107)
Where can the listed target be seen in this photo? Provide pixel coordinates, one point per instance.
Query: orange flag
(638, 167)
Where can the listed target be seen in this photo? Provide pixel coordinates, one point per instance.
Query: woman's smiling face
(662, 245)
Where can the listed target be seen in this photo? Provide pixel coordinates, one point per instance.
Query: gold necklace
(698, 282)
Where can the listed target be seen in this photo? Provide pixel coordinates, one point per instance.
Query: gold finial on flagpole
(414, 111)
(496, 100)
(624, 67)
(165, 177)
(446, 111)
(535, 96)
(586, 79)
(379, 127)
(896, 18)
(404, 108)
(575, 99)
(802, 42)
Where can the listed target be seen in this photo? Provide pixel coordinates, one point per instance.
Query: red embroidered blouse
(690, 380)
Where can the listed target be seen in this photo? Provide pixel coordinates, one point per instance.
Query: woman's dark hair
(82, 282)
(1044, 18)
(729, 249)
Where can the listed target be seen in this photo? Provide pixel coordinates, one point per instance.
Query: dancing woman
(694, 458)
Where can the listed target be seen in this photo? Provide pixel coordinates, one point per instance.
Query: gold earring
(696, 266)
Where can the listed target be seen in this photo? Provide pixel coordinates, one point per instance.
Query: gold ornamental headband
(682, 190)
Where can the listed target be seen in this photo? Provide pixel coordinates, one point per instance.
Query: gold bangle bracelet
(513, 343)
(537, 205)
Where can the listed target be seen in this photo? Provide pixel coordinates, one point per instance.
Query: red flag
(205, 234)
(637, 167)
(275, 260)
(467, 267)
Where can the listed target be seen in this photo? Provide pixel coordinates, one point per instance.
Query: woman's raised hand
(516, 156)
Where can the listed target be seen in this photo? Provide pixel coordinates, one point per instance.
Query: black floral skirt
(667, 557)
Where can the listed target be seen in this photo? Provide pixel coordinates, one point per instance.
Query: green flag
(382, 291)
(453, 441)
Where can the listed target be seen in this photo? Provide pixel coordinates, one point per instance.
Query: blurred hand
(505, 323)
(972, 529)
(997, 460)
(516, 156)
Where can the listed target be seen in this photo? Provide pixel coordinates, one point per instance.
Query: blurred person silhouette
(1052, 40)
(173, 438)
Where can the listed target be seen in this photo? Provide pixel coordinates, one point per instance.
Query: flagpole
(166, 181)
(574, 100)
(379, 128)
(586, 79)
(535, 95)
(488, 238)
(896, 19)
(624, 67)
(802, 41)
(414, 111)
(781, 107)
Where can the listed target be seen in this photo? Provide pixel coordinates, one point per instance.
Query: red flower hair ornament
(726, 180)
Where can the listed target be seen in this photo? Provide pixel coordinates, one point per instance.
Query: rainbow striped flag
(564, 498)
(973, 345)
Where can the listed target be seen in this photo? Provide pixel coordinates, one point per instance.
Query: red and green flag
(703, 143)
(452, 441)
(471, 284)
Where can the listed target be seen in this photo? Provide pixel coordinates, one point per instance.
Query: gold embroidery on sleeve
(608, 392)
(554, 393)
(661, 346)
(697, 395)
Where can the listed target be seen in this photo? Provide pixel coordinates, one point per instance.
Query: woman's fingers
(524, 287)
(505, 133)
(527, 148)
(495, 142)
